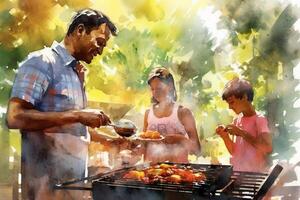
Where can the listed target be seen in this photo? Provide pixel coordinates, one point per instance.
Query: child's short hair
(238, 88)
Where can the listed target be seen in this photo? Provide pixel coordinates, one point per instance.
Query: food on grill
(199, 176)
(165, 173)
(150, 135)
(165, 166)
(174, 179)
(134, 174)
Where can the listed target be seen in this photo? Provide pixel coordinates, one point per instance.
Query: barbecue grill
(221, 184)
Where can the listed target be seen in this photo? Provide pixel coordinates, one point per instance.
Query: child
(173, 121)
(253, 141)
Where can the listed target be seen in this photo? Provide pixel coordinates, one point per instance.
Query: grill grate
(217, 176)
(221, 184)
(243, 185)
(249, 185)
(111, 185)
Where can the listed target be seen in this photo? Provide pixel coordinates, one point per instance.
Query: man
(47, 103)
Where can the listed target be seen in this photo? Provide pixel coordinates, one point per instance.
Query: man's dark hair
(164, 75)
(238, 88)
(91, 19)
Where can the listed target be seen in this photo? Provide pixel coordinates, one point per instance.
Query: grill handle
(89, 178)
(268, 183)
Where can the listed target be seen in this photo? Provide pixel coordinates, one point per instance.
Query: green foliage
(10, 57)
(6, 77)
(5, 18)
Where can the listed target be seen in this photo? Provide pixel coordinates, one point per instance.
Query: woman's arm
(146, 120)
(188, 121)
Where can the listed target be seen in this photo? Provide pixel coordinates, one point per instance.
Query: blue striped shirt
(48, 80)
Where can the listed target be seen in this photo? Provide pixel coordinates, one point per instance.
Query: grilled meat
(165, 173)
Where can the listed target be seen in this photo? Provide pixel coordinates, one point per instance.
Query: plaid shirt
(48, 80)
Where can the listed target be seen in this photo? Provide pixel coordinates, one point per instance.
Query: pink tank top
(166, 125)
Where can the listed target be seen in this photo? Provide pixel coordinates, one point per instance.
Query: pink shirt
(159, 152)
(166, 125)
(245, 157)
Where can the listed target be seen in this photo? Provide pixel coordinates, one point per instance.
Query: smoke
(159, 152)
(51, 158)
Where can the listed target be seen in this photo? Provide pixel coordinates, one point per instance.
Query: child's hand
(234, 130)
(221, 130)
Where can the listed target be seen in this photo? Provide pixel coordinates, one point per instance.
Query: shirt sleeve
(32, 79)
(262, 125)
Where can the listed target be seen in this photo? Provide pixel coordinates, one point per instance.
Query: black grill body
(221, 184)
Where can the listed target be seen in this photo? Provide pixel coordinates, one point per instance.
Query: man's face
(237, 104)
(92, 44)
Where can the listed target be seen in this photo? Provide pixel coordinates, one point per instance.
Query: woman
(173, 121)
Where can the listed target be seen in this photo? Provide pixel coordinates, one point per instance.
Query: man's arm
(22, 115)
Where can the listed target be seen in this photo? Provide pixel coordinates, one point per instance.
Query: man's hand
(93, 118)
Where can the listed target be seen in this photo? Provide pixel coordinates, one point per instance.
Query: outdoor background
(204, 43)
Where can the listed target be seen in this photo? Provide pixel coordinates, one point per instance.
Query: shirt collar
(63, 53)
